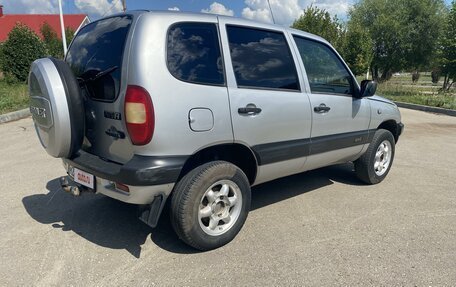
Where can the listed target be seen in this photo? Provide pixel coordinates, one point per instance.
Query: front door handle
(322, 108)
(249, 110)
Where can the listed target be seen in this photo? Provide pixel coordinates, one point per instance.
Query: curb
(14, 116)
(443, 111)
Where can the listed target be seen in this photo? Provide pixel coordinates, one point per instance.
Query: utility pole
(124, 5)
(62, 25)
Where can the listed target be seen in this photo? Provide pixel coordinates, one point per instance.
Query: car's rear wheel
(373, 166)
(57, 107)
(210, 204)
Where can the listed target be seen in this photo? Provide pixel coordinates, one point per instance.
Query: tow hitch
(75, 189)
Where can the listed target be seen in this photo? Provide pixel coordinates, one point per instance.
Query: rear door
(98, 59)
(340, 119)
(268, 109)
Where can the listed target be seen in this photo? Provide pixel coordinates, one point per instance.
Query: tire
(57, 107)
(374, 165)
(202, 201)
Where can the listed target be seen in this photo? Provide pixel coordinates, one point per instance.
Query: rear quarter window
(193, 53)
(96, 55)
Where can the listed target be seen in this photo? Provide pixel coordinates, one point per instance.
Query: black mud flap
(150, 213)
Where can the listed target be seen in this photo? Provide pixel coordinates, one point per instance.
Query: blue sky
(285, 11)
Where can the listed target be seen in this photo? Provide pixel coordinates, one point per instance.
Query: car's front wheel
(373, 166)
(210, 204)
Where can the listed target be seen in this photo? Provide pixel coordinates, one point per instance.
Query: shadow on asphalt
(114, 224)
(295, 185)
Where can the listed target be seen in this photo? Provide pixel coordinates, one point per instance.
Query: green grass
(424, 92)
(13, 97)
(446, 101)
(417, 94)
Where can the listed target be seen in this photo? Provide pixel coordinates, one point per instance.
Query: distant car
(396, 75)
(197, 108)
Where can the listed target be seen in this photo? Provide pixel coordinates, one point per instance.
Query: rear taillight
(139, 115)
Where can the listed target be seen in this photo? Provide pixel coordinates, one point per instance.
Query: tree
(448, 49)
(319, 22)
(424, 19)
(18, 52)
(357, 50)
(378, 18)
(404, 33)
(353, 43)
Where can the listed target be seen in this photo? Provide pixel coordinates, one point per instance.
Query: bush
(51, 41)
(435, 76)
(70, 33)
(415, 76)
(19, 51)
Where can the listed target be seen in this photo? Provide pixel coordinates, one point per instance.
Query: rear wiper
(98, 75)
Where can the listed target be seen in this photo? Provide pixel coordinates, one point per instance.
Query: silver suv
(194, 109)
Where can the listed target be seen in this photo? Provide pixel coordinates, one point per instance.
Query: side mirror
(368, 88)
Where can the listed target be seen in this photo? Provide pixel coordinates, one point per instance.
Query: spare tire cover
(56, 106)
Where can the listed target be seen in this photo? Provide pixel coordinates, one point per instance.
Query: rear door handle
(249, 110)
(322, 108)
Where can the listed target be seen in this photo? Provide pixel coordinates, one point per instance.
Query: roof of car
(229, 19)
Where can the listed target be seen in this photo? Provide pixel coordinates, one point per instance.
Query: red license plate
(84, 178)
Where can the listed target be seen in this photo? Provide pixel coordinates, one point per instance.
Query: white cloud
(286, 11)
(99, 7)
(334, 7)
(174, 8)
(258, 14)
(30, 7)
(95, 8)
(220, 9)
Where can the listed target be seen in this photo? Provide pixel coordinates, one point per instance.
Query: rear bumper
(146, 177)
(139, 171)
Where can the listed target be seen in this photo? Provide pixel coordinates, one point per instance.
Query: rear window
(96, 54)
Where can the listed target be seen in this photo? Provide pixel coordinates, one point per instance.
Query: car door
(269, 112)
(340, 119)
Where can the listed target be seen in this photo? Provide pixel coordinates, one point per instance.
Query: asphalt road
(317, 228)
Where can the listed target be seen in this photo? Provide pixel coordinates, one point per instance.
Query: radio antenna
(272, 14)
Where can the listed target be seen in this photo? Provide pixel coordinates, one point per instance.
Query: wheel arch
(235, 153)
(391, 126)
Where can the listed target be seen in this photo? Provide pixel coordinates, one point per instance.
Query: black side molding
(338, 141)
(139, 171)
(286, 150)
(280, 151)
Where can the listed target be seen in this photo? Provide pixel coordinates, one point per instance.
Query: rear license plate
(83, 178)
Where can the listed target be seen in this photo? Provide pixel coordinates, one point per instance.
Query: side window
(193, 53)
(261, 59)
(325, 71)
